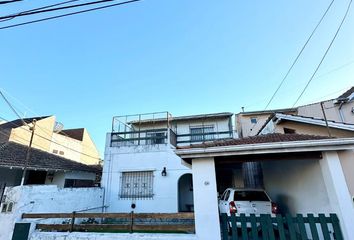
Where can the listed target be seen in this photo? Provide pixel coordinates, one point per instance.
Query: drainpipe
(340, 111)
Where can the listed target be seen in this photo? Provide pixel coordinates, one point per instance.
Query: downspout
(340, 111)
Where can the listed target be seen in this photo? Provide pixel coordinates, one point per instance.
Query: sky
(181, 56)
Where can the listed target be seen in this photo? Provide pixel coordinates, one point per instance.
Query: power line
(36, 134)
(12, 107)
(68, 14)
(31, 12)
(298, 55)
(12, 16)
(10, 1)
(325, 54)
(42, 128)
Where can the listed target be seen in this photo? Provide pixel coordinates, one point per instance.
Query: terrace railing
(143, 137)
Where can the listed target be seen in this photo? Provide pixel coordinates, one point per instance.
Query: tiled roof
(267, 138)
(14, 155)
(347, 93)
(308, 120)
(19, 122)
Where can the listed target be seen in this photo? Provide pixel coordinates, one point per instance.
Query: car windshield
(251, 196)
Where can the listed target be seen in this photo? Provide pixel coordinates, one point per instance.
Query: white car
(247, 201)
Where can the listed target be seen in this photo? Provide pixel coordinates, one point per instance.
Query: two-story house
(142, 172)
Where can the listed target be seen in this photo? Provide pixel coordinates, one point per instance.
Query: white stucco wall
(207, 224)
(46, 199)
(109, 236)
(297, 186)
(143, 158)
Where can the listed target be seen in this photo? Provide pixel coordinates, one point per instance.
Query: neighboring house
(289, 124)
(42, 168)
(141, 171)
(340, 109)
(249, 123)
(74, 144)
(302, 173)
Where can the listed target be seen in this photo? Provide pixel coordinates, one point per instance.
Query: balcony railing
(164, 136)
(143, 137)
(203, 137)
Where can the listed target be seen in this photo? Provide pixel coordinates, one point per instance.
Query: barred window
(136, 185)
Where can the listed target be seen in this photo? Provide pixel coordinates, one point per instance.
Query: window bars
(136, 185)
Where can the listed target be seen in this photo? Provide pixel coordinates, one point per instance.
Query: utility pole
(28, 153)
(325, 118)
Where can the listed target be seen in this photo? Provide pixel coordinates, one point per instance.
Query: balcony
(162, 128)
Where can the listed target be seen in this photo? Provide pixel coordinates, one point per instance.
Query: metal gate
(286, 227)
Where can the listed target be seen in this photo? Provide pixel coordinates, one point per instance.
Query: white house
(302, 173)
(141, 171)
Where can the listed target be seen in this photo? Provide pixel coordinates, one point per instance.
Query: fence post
(72, 221)
(131, 221)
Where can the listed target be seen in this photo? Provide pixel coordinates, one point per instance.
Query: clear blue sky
(187, 57)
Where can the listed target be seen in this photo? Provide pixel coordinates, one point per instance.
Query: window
(76, 183)
(55, 151)
(253, 120)
(227, 195)
(251, 196)
(200, 133)
(136, 185)
(155, 138)
(289, 131)
(10, 206)
(4, 207)
(61, 152)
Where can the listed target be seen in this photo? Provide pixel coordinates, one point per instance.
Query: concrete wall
(297, 186)
(244, 126)
(347, 163)
(63, 144)
(143, 158)
(331, 110)
(46, 199)
(109, 236)
(44, 128)
(207, 224)
(92, 155)
(303, 128)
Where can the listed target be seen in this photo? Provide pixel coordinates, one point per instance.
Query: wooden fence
(128, 222)
(281, 227)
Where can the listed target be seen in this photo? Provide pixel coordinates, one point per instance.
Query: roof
(19, 122)
(77, 133)
(266, 138)
(347, 94)
(13, 155)
(269, 111)
(314, 121)
(189, 117)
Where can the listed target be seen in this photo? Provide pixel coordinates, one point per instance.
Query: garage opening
(185, 193)
(288, 179)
